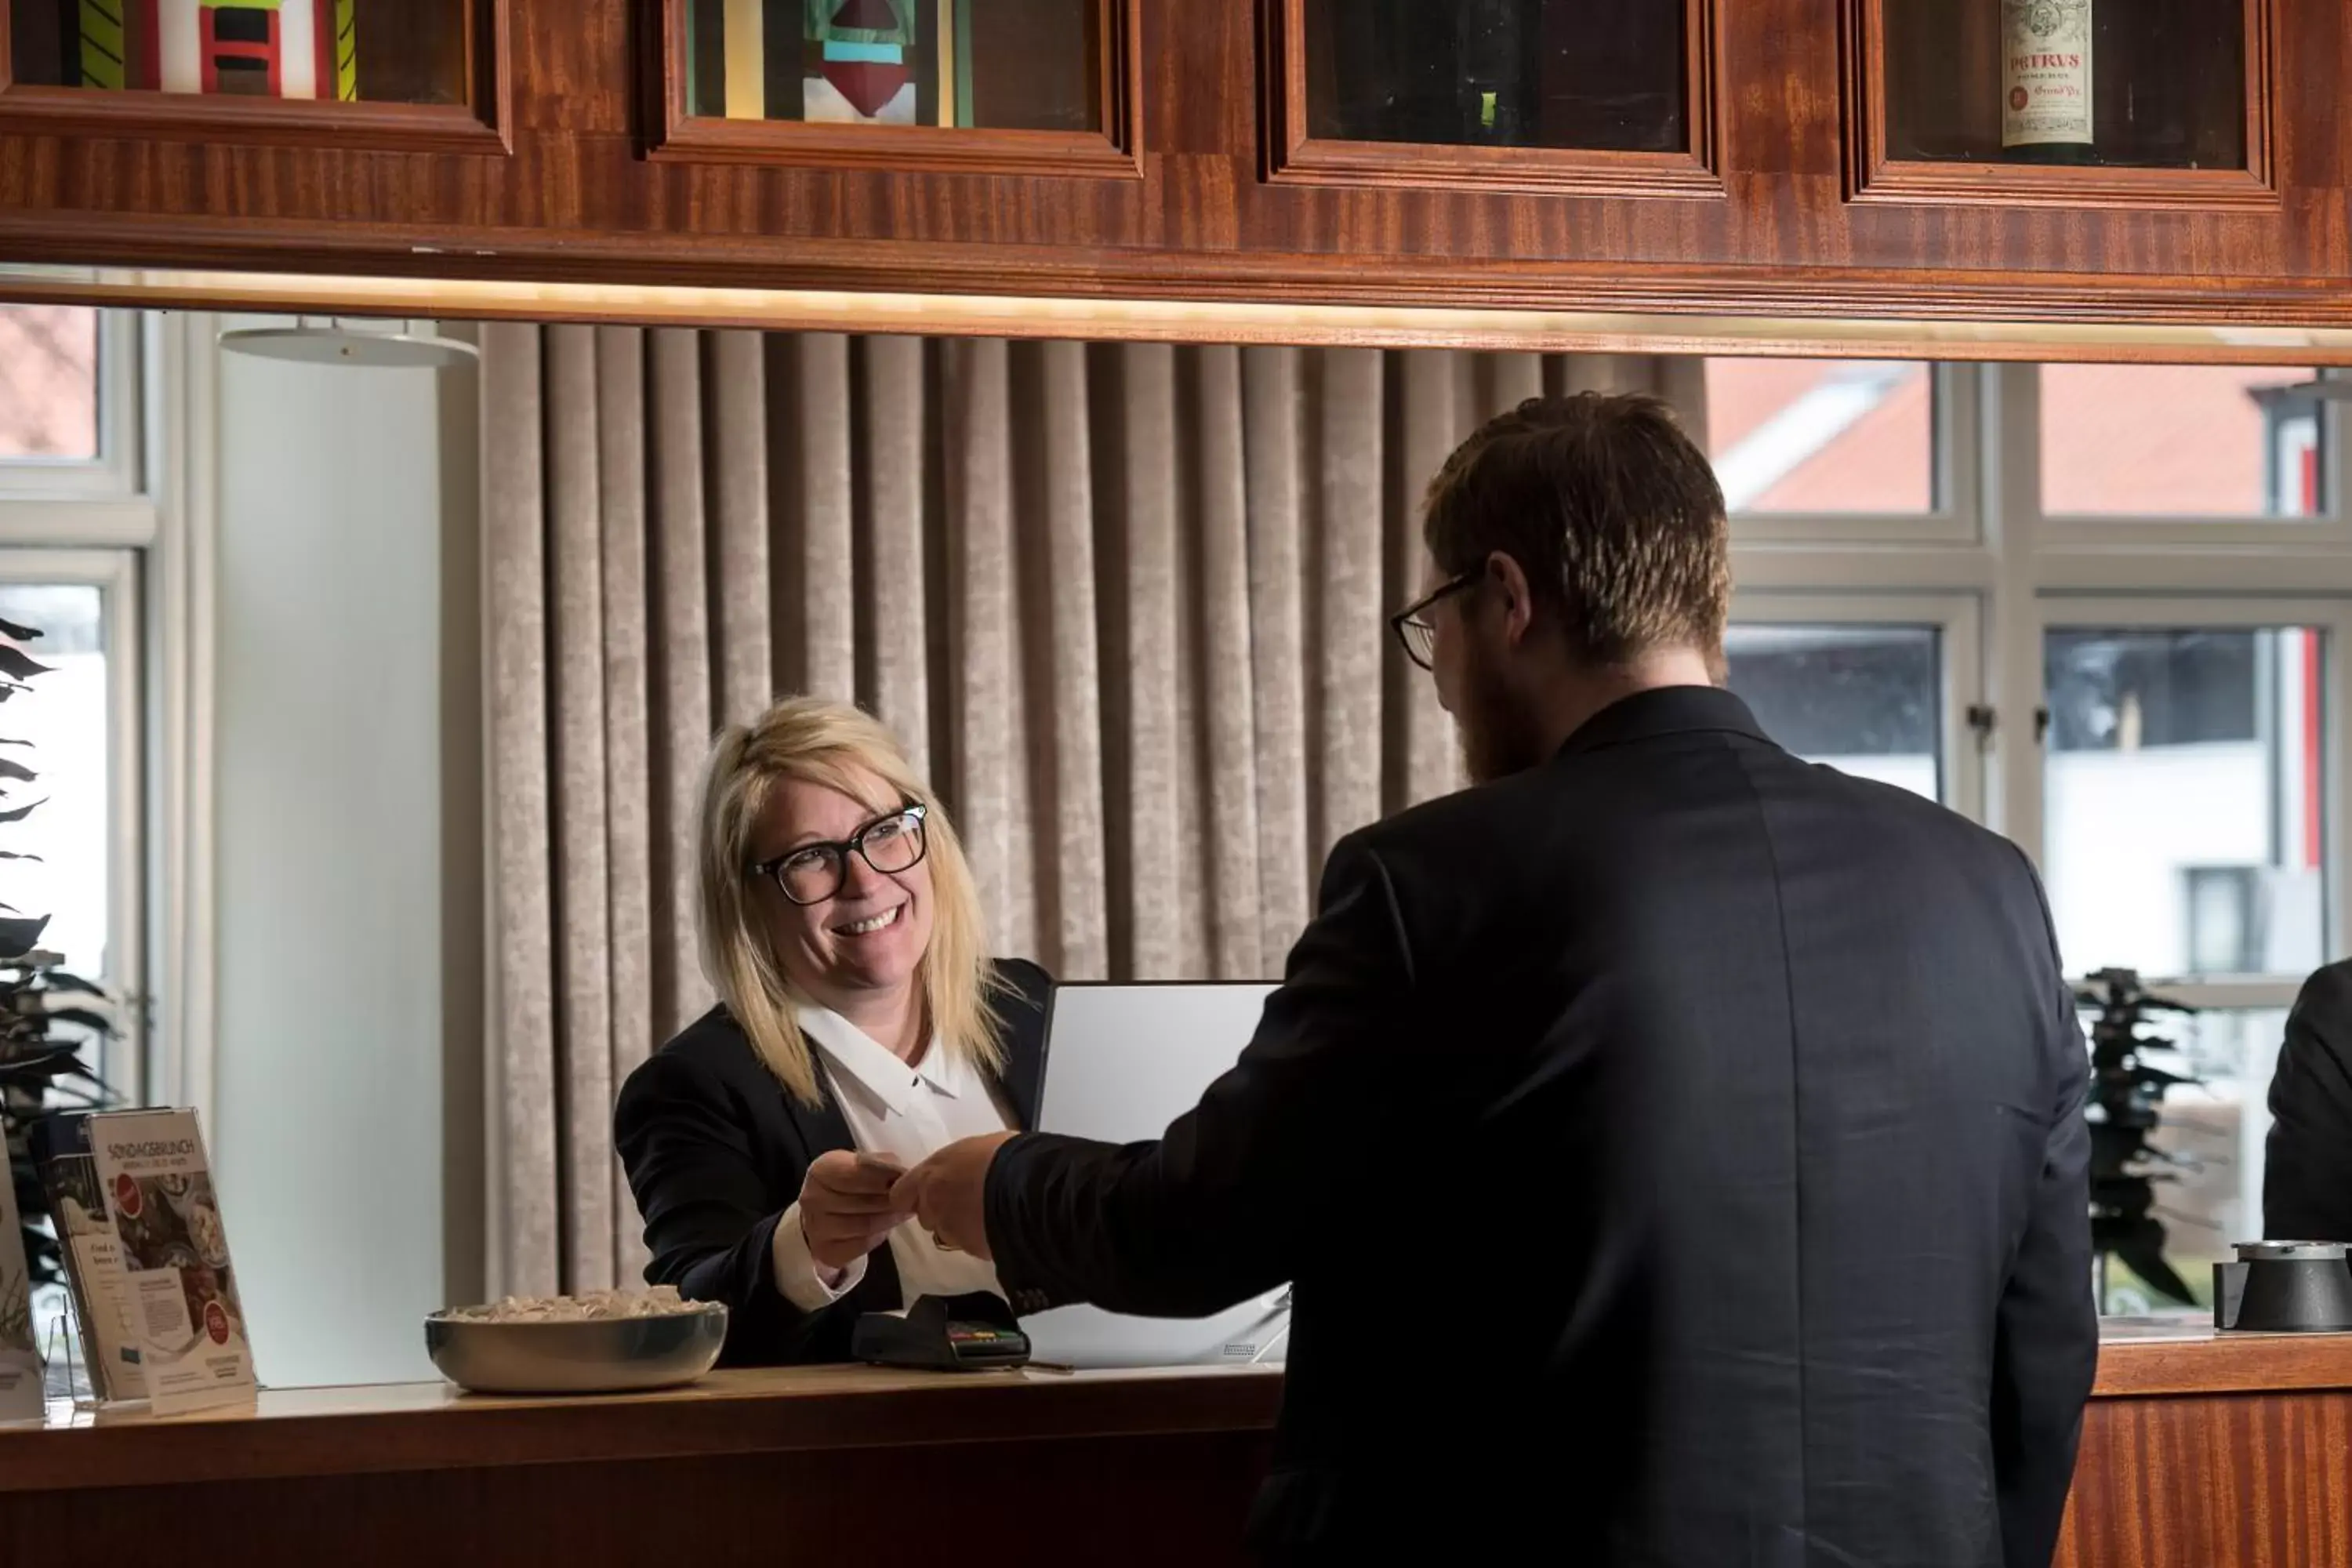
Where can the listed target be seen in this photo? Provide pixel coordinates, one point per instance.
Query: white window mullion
(2010, 477)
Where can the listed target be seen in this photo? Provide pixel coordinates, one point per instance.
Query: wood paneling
(419, 1426)
(1147, 1502)
(2242, 1480)
(1190, 214)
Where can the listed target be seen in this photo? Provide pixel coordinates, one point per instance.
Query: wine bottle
(2046, 81)
(1491, 61)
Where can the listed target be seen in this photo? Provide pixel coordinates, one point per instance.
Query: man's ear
(1511, 591)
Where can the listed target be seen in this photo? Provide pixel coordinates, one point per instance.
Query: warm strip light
(1173, 321)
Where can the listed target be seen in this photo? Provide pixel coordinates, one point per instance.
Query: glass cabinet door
(2052, 99)
(902, 83)
(406, 73)
(1531, 94)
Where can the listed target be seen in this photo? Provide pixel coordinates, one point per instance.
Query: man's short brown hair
(1610, 510)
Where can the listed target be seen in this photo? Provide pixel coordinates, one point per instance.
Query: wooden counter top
(432, 1426)
(2142, 1359)
(2189, 1442)
(425, 1425)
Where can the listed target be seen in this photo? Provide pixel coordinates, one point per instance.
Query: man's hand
(845, 1207)
(947, 1193)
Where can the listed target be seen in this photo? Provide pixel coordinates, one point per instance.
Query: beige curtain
(1126, 603)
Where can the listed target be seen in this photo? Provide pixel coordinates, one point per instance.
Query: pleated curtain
(1125, 603)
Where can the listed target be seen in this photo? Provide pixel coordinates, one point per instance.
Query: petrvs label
(2046, 53)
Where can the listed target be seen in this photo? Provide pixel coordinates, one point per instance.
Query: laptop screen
(1124, 1061)
(1121, 1063)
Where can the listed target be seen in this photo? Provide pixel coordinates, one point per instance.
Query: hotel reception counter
(2197, 1453)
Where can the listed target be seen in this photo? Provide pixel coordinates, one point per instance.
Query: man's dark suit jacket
(716, 1149)
(2308, 1172)
(1677, 1150)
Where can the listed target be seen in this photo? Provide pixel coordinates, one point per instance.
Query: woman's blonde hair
(824, 743)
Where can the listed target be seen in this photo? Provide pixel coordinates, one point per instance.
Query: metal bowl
(608, 1355)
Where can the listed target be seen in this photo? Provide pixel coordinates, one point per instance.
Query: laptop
(1121, 1063)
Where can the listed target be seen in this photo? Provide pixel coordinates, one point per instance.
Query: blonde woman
(860, 1026)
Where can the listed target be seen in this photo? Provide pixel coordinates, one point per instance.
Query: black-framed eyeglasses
(1411, 625)
(812, 873)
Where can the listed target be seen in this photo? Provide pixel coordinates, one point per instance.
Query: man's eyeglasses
(1412, 626)
(812, 873)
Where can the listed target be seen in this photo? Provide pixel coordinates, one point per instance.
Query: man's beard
(1498, 734)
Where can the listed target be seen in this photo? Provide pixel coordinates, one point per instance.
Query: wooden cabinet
(1770, 158)
(1010, 87)
(1493, 95)
(2066, 103)
(422, 75)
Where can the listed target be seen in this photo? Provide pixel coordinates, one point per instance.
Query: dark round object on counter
(2294, 1287)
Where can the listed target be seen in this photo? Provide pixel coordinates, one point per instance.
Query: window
(2211, 1136)
(2124, 647)
(57, 727)
(74, 527)
(1863, 698)
(2128, 441)
(72, 727)
(1880, 686)
(2185, 810)
(48, 384)
(1822, 437)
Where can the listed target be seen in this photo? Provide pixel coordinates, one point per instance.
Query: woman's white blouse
(909, 1112)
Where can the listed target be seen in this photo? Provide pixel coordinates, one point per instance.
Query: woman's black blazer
(715, 1149)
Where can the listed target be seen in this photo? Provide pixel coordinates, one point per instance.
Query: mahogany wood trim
(1115, 152)
(1871, 176)
(2073, 314)
(485, 125)
(2224, 1364)
(1907, 181)
(1291, 154)
(857, 300)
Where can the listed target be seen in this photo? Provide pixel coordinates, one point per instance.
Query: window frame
(2330, 617)
(2327, 530)
(108, 492)
(122, 522)
(1956, 516)
(2022, 572)
(116, 573)
(1955, 618)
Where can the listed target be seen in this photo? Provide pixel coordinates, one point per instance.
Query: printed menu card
(20, 1357)
(191, 1330)
(93, 1255)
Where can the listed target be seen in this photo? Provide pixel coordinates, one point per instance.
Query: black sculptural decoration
(2124, 1107)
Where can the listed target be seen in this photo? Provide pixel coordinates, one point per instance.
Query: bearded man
(1676, 1149)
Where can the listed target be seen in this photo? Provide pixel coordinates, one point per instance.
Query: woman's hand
(845, 1208)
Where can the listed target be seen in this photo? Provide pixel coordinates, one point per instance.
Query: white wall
(334, 1017)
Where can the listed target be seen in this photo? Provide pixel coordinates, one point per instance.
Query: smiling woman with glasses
(861, 1026)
